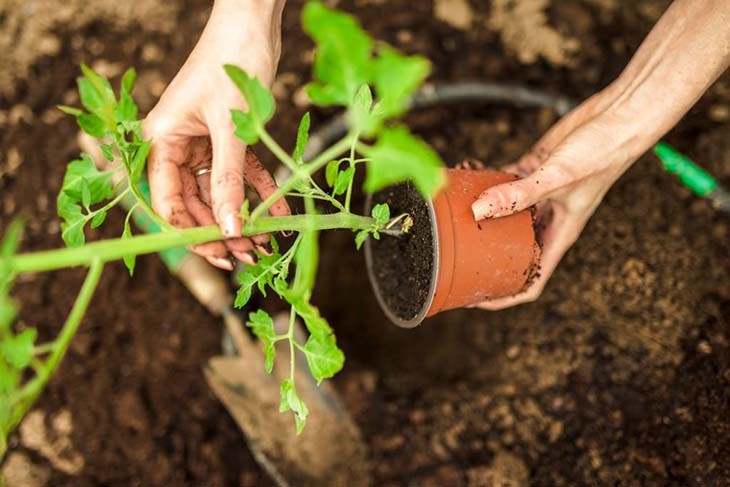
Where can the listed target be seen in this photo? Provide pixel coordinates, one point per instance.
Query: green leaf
(9, 379)
(290, 401)
(331, 171)
(129, 260)
(396, 77)
(342, 61)
(323, 356)
(79, 174)
(260, 105)
(361, 117)
(360, 238)
(91, 124)
(302, 139)
(85, 193)
(98, 219)
(70, 110)
(139, 161)
(381, 214)
(262, 326)
(108, 151)
(316, 325)
(400, 156)
(126, 109)
(246, 280)
(91, 98)
(128, 79)
(343, 180)
(18, 350)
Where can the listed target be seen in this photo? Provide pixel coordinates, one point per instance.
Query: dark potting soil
(403, 266)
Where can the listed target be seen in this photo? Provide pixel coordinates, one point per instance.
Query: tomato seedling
(348, 67)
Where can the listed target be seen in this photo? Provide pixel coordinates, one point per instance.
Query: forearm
(683, 55)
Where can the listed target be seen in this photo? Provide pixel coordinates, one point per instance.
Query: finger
(508, 198)
(227, 192)
(261, 180)
(557, 238)
(204, 216)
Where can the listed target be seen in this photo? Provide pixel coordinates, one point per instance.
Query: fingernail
(286, 233)
(265, 249)
(221, 262)
(245, 257)
(229, 225)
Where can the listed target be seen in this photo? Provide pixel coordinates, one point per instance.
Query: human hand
(568, 172)
(191, 130)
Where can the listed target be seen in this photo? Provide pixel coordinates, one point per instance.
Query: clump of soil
(403, 266)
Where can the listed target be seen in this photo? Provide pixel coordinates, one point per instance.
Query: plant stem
(114, 249)
(351, 161)
(30, 392)
(290, 336)
(277, 150)
(306, 171)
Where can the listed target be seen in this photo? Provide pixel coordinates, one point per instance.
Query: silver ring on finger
(202, 171)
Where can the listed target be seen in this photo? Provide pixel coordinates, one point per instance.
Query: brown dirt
(619, 375)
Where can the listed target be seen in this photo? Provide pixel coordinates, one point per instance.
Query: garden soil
(618, 375)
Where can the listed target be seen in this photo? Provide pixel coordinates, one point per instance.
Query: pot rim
(421, 315)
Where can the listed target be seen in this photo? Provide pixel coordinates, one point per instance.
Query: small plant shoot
(372, 81)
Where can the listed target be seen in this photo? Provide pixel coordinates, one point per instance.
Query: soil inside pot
(403, 266)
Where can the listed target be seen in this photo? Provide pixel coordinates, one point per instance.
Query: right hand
(191, 129)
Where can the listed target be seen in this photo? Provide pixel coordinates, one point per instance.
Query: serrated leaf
(91, 98)
(331, 171)
(128, 80)
(85, 193)
(246, 280)
(126, 109)
(324, 358)
(139, 161)
(290, 401)
(360, 238)
(17, 350)
(396, 77)
(91, 124)
(260, 104)
(70, 110)
(342, 60)
(316, 325)
(343, 180)
(302, 139)
(107, 151)
(129, 260)
(98, 219)
(262, 326)
(72, 195)
(361, 117)
(400, 156)
(381, 214)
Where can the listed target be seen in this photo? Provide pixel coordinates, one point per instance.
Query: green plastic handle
(699, 181)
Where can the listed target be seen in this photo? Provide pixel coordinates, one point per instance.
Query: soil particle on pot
(403, 265)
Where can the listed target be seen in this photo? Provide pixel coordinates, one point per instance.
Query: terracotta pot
(471, 261)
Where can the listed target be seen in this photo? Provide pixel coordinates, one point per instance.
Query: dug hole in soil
(618, 375)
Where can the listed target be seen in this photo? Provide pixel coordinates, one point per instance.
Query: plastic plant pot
(448, 260)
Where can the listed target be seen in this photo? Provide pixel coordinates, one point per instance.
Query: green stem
(277, 150)
(351, 161)
(290, 336)
(114, 249)
(304, 172)
(30, 392)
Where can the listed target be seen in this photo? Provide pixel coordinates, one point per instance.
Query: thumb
(226, 183)
(515, 196)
